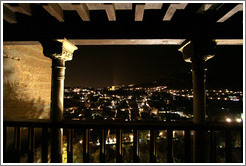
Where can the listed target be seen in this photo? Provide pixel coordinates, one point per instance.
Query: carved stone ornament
(58, 49)
(67, 50)
(203, 51)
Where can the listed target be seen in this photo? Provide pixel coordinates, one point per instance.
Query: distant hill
(174, 81)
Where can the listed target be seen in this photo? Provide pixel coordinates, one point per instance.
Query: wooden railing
(103, 126)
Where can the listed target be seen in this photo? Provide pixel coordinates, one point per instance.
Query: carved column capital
(59, 49)
(203, 50)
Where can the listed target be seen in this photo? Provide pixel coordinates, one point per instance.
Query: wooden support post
(212, 146)
(70, 146)
(119, 146)
(228, 146)
(5, 138)
(153, 146)
(187, 146)
(45, 137)
(170, 146)
(31, 144)
(241, 138)
(86, 145)
(136, 146)
(102, 146)
(17, 143)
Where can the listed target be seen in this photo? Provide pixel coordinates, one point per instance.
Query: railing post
(136, 146)
(153, 146)
(212, 146)
(56, 145)
(86, 145)
(5, 138)
(187, 146)
(17, 142)
(228, 146)
(170, 146)
(102, 146)
(70, 146)
(44, 145)
(241, 148)
(31, 144)
(119, 146)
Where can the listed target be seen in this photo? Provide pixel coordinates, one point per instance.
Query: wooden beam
(204, 7)
(153, 5)
(66, 6)
(208, 6)
(82, 10)
(95, 6)
(139, 12)
(172, 9)
(55, 10)
(233, 11)
(123, 6)
(128, 42)
(23, 8)
(9, 15)
(110, 10)
(21, 43)
(229, 41)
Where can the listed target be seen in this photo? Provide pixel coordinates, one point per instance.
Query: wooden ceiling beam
(123, 6)
(233, 11)
(205, 7)
(23, 8)
(110, 10)
(82, 10)
(139, 12)
(66, 6)
(55, 10)
(9, 15)
(229, 41)
(95, 6)
(153, 5)
(172, 9)
(208, 6)
(128, 42)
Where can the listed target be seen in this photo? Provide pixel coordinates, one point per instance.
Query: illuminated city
(130, 103)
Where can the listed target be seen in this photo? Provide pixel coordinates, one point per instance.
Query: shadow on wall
(18, 104)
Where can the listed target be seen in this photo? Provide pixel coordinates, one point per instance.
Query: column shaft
(199, 107)
(199, 90)
(58, 75)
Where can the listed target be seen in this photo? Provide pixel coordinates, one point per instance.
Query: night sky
(101, 66)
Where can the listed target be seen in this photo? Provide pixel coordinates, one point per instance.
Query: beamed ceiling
(116, 23)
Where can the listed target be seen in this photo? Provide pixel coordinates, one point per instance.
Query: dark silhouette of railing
(153, 126)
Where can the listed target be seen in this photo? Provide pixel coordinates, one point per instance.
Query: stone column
(198, 51)
(60, 52)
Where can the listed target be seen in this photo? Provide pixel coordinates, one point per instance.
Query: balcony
(68, 128)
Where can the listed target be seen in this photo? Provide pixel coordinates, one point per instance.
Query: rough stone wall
(26, 82)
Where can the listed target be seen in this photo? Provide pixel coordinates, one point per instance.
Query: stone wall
(26, 82)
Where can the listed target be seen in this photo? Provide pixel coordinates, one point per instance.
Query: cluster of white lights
(229, 120)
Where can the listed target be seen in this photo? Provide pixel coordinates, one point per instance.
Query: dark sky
(100, 66)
